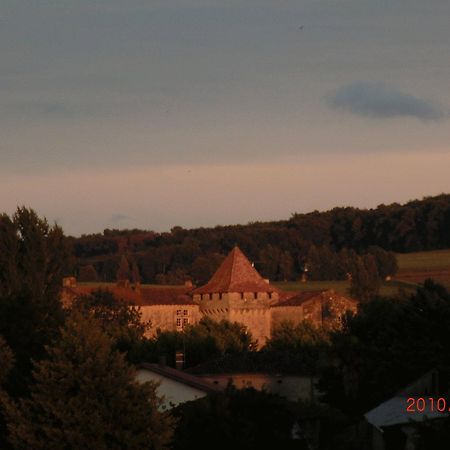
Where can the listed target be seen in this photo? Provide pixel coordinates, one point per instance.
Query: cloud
(377, 100)
(119, 217)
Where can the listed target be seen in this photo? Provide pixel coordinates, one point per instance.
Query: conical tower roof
(236, 274)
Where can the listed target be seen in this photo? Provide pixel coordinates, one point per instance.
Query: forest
(323, 244)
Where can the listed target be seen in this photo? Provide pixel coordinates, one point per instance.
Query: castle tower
(238, 293)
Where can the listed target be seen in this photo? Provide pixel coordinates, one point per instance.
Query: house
(391, 424)
(174, 386)
(236, 292)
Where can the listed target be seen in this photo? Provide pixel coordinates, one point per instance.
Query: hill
(279, 249)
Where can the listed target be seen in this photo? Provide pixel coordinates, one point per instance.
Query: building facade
(236, 292)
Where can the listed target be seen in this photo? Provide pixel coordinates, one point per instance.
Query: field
(387, 288)
(437, 260)
(414, 268)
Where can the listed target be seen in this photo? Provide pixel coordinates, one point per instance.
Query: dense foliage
(389, 343)
(33, 259)
(120, 320)
(85, 396)
(201, 342)
(321, 241)
(236, 419)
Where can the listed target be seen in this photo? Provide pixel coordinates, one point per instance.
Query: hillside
(280, 250)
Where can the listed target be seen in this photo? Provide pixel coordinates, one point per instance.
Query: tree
(388, 344)
(135, 275)
(386, 262)
(123, 272)
(6, 360)
(120, 320)
(201, 342)
(33, 261)
(365, 282)
(304, 344)
(86, 397)
(204, 267)
(87, 273)
(239, 419)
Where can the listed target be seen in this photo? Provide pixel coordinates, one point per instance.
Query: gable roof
(236, 274)
(181, 377)
(300, 298)
(165, 296)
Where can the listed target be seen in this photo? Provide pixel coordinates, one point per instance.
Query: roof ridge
(236, 274)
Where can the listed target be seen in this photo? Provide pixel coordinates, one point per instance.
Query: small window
(185, 312)
(242, 296)
(178, 312)
(185, 321)
(220, 295)
(256, 295)
(179, 323)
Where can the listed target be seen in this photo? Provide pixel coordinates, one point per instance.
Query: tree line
(280, 250)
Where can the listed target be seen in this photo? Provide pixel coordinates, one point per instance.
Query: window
(185, 312)
(178, 312)
(179, 322)
(242, 296)
(220, 295)
(185, 321)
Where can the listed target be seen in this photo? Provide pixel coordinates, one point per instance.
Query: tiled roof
(143, 296)
(300, 298)
(165, 296)
(236, 274)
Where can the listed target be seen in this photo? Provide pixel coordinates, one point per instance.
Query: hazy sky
(150, 114)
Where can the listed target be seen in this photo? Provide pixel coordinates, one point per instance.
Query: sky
(161, 113)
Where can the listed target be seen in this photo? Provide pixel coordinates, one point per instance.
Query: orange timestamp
(429, 404)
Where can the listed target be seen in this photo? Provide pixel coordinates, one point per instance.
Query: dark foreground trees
(33, 258)
(120, 320)
(387, 345)
(201, 342)
(85, 397)
(236, 419)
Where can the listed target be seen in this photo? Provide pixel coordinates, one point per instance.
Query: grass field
(387, 288)
(436, 260)
(414, 268)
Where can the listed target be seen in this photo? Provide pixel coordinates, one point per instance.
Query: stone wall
(286, 313)
(334, 307)
(165, 316)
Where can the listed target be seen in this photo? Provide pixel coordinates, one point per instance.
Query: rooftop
(236, 274)
(181, 377)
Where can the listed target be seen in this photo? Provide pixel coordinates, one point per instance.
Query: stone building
(236, 292)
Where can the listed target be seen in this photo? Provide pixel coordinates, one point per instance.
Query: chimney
(179, 360)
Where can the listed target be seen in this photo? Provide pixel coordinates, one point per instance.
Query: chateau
(236, 292)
